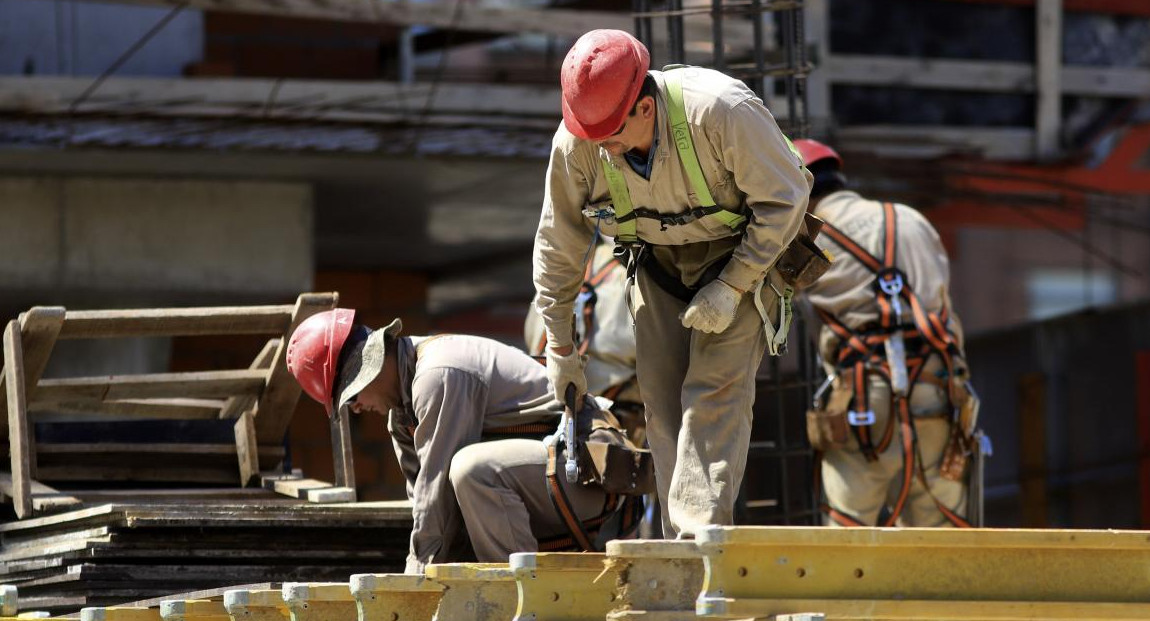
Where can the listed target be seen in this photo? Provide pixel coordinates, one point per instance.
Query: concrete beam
(459, 15)
(932, 73)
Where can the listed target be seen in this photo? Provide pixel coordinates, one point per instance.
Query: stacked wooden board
(119, 553)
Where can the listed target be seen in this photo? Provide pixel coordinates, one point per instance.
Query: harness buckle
(890, 281)
(861, 419)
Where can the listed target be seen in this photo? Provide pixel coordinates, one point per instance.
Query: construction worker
(688, 172)
(443, 395)
(892, 347)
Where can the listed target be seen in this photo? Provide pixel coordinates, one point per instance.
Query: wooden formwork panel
(918, 573)
(562, 586)
(479, 591)
(395, 597)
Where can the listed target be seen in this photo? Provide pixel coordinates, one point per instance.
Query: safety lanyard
(681, 136)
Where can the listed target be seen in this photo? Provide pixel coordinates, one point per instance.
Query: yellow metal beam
(475, 591)
(875, 573)
(395, 597)
(563, 586)
(256, 605)
(320, 601)
(120, 613)
(657, 580)
(193, 610)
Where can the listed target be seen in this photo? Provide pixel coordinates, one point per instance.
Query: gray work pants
(501, 489)
(698, 389)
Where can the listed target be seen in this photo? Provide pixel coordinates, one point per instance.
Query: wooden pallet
(258, 401)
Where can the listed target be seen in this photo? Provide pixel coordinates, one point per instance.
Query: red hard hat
(313, 352)
(601, 78)
(814, 151)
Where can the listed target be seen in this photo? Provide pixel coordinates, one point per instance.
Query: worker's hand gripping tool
(570, 412)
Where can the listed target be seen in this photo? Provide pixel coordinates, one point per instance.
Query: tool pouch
(827, 428)
(956, 456)
(803, 262)
(617, 468)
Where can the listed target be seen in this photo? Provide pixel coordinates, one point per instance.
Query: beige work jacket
(847, 292)
(454, 388)
(746, 160)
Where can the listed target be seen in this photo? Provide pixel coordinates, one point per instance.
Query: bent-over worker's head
(335, 360)
(825, 165)
(608, 97)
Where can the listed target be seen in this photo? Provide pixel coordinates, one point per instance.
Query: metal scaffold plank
(320, 601)
(656, 580)
(256, 605)
(562, 586)
(919, 573)
(395, 597)
(479, 591)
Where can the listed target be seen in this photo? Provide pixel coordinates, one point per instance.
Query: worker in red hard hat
(449, 401)
(689, 173)
(898, 399)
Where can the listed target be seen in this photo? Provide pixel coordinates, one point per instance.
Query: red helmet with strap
(313, 352)
(815, 151)
(601, 77)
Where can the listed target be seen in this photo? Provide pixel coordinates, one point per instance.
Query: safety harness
(905, 349)
(626, 215)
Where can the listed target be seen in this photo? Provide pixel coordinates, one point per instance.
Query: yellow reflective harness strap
(621, 198)
(681, 135)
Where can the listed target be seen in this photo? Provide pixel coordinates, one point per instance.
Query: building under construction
(185, 181)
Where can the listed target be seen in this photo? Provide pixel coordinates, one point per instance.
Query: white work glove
(713, 307)
(564, 370)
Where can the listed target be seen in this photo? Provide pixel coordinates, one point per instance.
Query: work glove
(713, 308)
(564, 370)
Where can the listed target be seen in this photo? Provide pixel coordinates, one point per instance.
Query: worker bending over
(688, 172)
(895, 428)
(443, 396)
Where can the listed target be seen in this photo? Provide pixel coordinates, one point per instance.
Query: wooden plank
(299, 488)
(154, 448)
(237, 405)
(247, 448)
(40, 495)
(341, 450)
(128, 409)
(38, 328)
(20, 444)
(224, 320)
(331, 494)
(195, 385)
(1048, 74)
(212, 594)
(1032, 449)
(224, 475)
(278, 401)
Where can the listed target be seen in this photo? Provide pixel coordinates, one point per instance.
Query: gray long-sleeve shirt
(456, 388)
(749, 168)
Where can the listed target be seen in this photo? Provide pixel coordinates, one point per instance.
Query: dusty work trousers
(501, 489)
(698, 389)
(862, 488)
